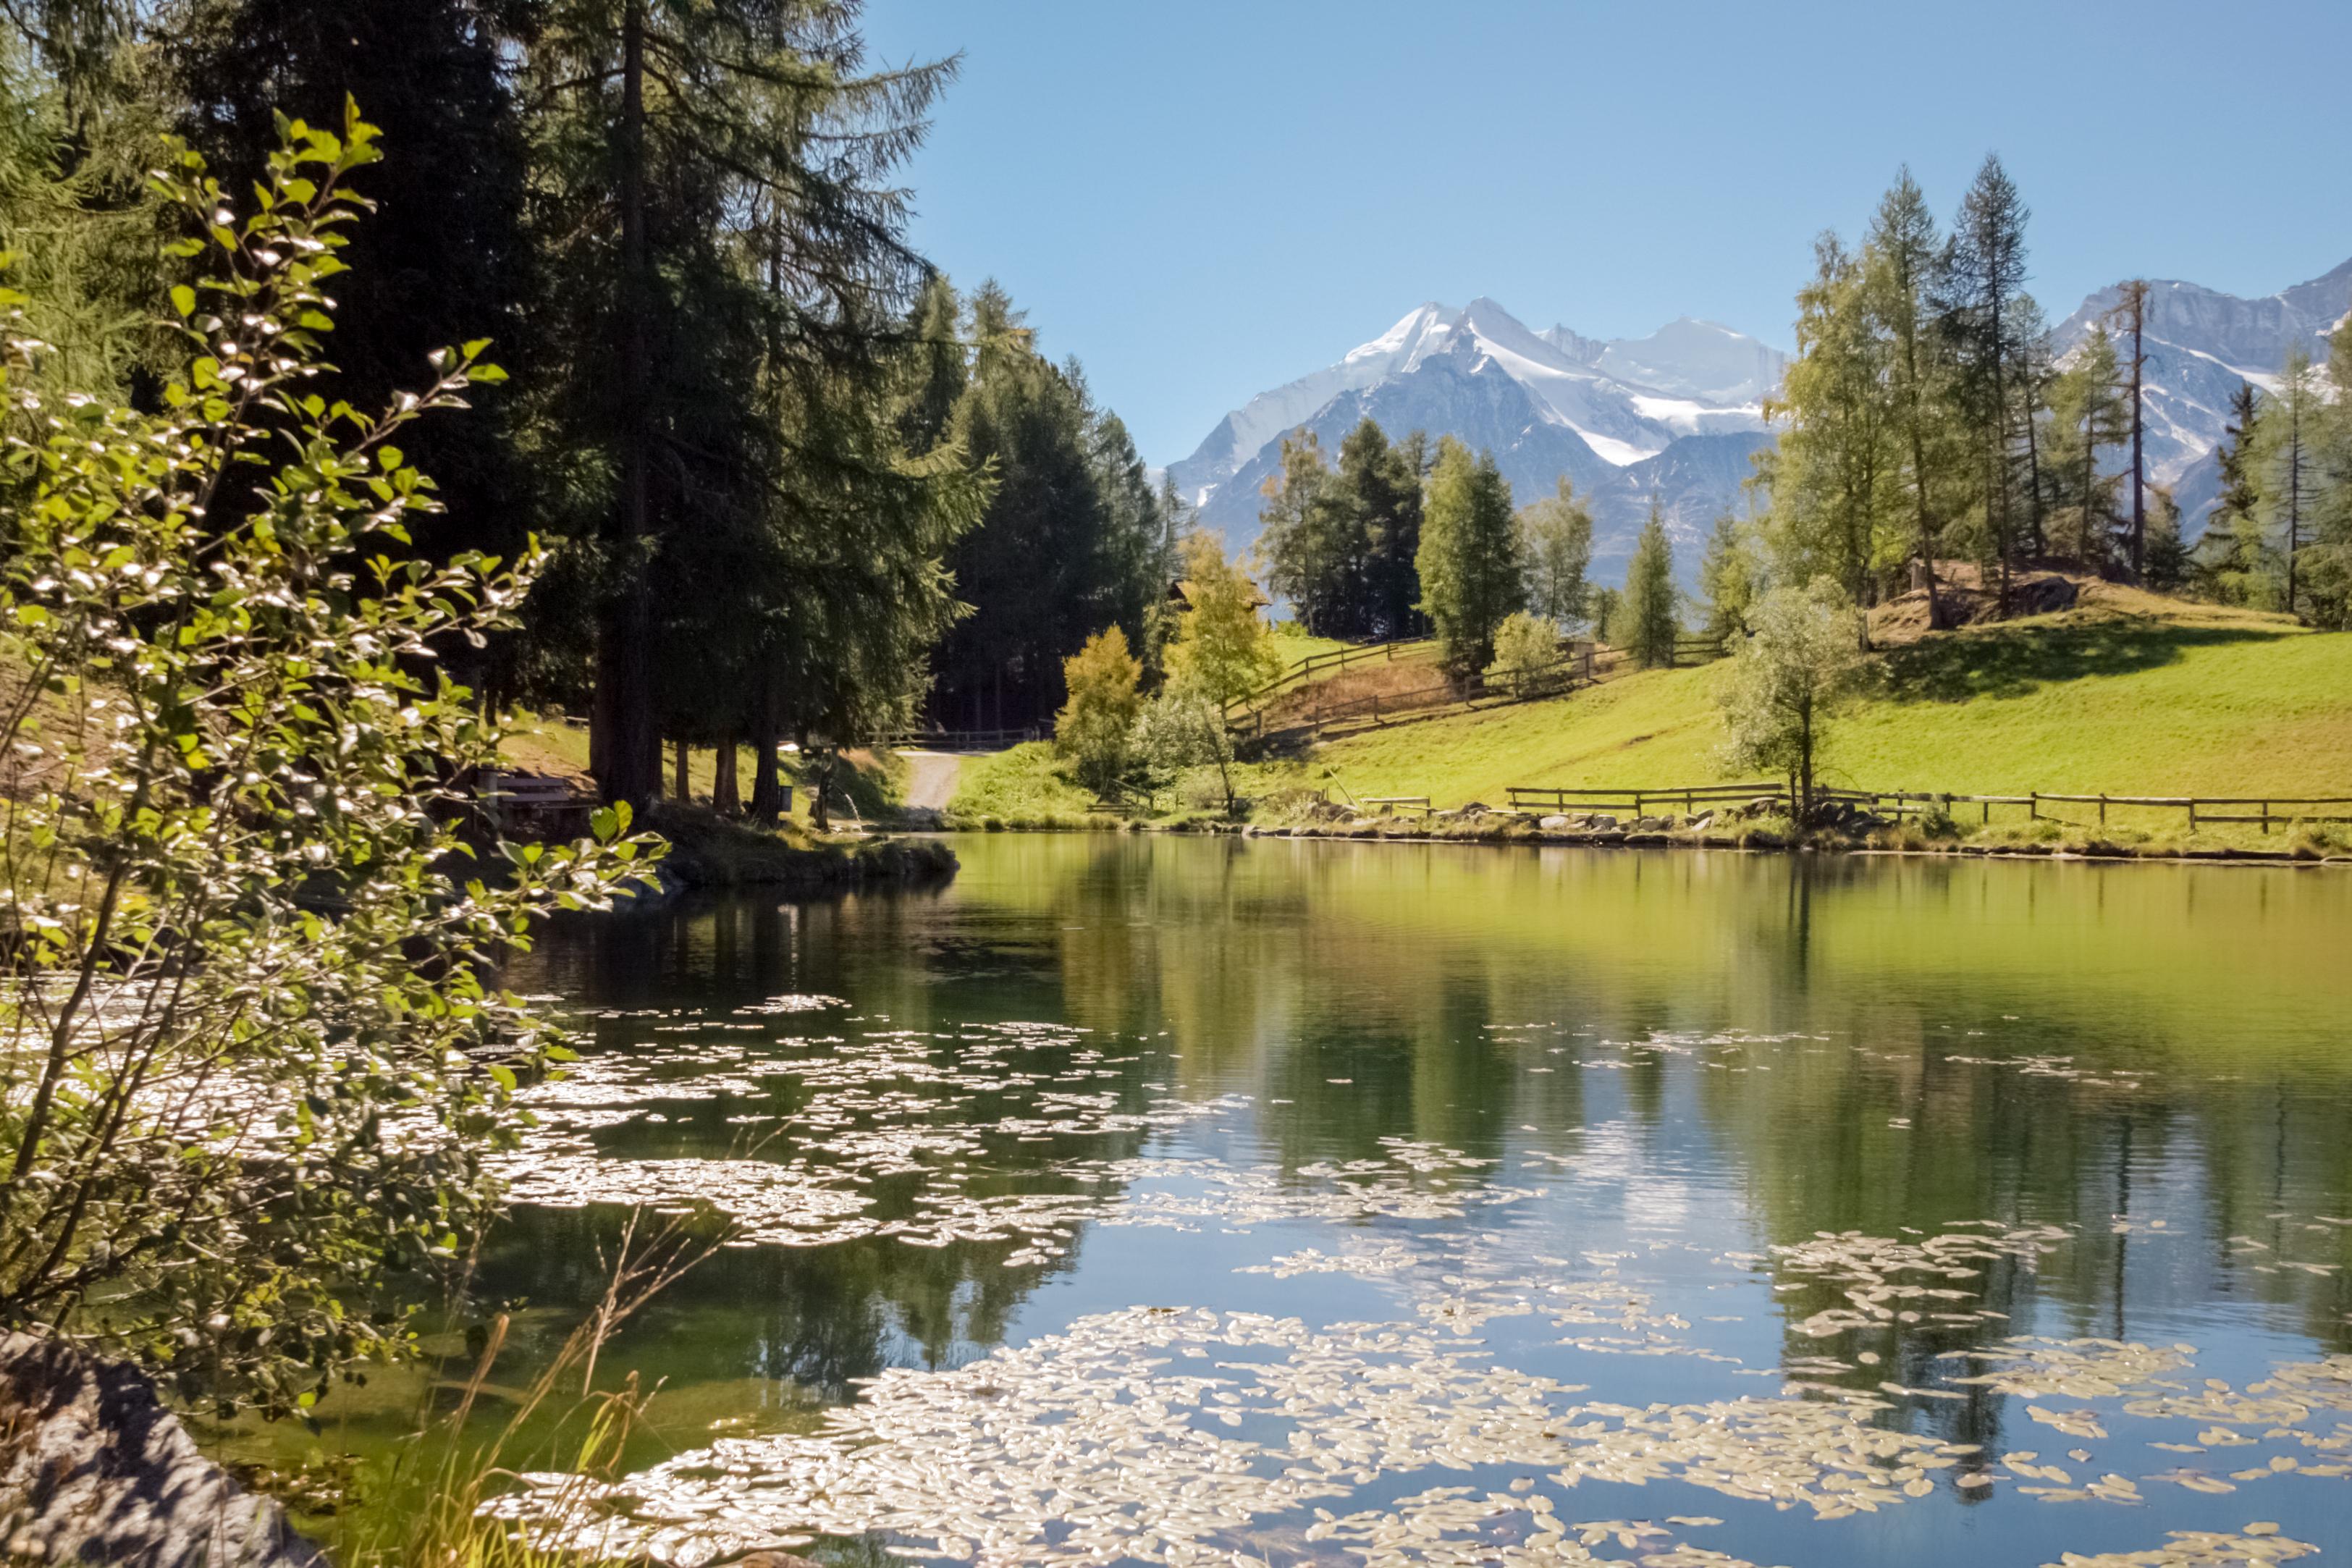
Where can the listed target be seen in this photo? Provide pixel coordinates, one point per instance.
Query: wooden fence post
(2192, 813)
(2103, 808)
(2266, 817)
(2033, 805)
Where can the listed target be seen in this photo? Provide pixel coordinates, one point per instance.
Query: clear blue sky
(1203, 199)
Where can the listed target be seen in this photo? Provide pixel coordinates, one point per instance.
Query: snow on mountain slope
(2201, 344)
(1612, 416)
(1676, 415)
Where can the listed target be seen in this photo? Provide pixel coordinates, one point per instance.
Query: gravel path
(931, 779)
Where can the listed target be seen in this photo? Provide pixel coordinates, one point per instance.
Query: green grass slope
(2137, 694)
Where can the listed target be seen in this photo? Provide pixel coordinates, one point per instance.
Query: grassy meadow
(2129, 694)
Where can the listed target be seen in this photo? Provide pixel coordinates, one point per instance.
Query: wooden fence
(957, 740)
(1303, 670)
(2269, 811)
(1583, 664)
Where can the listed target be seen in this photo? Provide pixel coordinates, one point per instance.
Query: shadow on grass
(2010, 661)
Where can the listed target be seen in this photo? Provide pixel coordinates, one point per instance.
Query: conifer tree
(1988, 319)
(1072, 539)
(936, 368)
(446, 246)
(1730, 577)
(1315, 544)
(1381, 482)
(2331, 556)
(2132, 314)
(1649, 612)
(78, 213)
(2089, 415)
(1556, 543)
(1221, 647)
(1903, 258)
(2226, 559)
(2165, 558)
(713, 198)
(1469, 558)
(1837, 504)
(2283, 468)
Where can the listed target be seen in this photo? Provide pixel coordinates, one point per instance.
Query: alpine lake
(1198, 1201)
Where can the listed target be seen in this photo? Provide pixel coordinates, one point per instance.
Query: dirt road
(931, 779)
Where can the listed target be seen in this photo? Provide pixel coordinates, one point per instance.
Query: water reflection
(1658, 1129)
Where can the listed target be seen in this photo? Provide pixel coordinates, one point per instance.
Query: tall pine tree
(1469, 557)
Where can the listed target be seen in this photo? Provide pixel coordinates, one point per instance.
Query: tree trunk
(1926, 534)
(767, 789)
(2139, 457)
(724, 796)
(819, 759)
(2294, 503)
(624, 748)
(2033, 479)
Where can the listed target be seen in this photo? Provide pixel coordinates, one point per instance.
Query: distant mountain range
(1677, 414)
(2201, 344)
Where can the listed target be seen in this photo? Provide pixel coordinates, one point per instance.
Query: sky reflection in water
(1397, 1204)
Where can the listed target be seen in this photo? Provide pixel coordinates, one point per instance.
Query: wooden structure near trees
(2269, 812)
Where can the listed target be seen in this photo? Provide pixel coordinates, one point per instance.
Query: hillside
(2126, 694)
(2130, 693)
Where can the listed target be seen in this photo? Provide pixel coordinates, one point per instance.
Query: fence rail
(1582, 662)
(1302, 669)
(957, 740)
(2280, 811)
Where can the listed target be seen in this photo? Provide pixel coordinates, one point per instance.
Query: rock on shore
(94, 1469)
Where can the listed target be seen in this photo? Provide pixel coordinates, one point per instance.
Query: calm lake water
(1190, 1200)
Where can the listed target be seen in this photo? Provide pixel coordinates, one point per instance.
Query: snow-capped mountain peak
(1547, 404)
(1675, 417)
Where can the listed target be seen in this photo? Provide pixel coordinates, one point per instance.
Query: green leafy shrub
(251, 1072)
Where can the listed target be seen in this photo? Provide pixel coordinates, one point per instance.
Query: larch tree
(1834, 480)
(1313, 542)
(1902, 262)
(1381, 482)
(2089, 415)
(1556, 547)
(1730, 577)
(1650, 612)
(1223, 646)
(2131, 315)
(2283, 468)
(1095, 730)
(1990, 323)
(1788, 680)
(715, 206)
(1468, 561)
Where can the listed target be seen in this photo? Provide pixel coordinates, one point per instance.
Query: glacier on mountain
(1675, 417)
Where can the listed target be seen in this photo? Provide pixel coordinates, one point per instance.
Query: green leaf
(184, 300)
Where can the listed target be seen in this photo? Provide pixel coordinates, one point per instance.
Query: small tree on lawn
(1796, 671)
(253, 1082)
(1223, 645)
(1469, 556)
(1648, 608)
(1183, 728)
(1556, 550)
(1525, 646)
(1095, 728)
(1731, 575)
